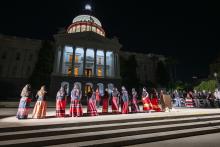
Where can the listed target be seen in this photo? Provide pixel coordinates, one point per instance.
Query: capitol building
(84, 55)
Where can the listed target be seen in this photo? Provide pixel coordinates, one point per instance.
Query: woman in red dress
(105, 102)
(91, 107)
(147, 106)
(98, 97)
(115, 98)
(125, 107)
(134, 105)
(61, 102)
(154, 101)
(75, 105)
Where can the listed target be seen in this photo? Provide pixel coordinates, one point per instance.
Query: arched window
(100, 63)
(78, 65)
(66, 85)
(101, 88)
(88, 87)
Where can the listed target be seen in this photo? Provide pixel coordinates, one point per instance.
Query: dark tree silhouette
(44, 66)
(162, 74)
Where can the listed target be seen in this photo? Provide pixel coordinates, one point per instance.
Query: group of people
(40, 107)
(198, 99)
(118, 99)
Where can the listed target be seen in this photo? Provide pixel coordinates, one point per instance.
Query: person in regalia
(75, 105)
(61, 102)
(134, 102)
(147, 106)
(91, 106)
(105, 101)
(115, 98)
(40, 107)
(125, 107)
(24, 105)
(98, 97)
(154, 101)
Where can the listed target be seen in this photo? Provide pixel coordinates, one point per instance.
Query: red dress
(146, 102)
(105, 102)
(91, 107)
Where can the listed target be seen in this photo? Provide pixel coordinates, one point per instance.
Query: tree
(129, 72)
(162, 75)
(209, 85)
(44, 66)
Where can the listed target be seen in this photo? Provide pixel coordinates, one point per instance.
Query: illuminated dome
(84, 23)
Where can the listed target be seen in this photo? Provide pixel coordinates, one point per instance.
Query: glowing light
(88, 7)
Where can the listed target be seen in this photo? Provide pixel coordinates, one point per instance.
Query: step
(77, 122)
(144, 138)
(61, 131)
(109, 134)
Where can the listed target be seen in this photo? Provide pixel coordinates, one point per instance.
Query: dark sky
(186, 31)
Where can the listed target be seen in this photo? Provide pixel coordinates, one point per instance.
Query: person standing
(40, 107)
(147, 106)
(177, 98)
(134, 103)
(115, 94)
(98, 97)
(75, 105)
(61, 102)
(125, 107)
(91, 106)
(154, 101)
(105, 101)
(24, 104)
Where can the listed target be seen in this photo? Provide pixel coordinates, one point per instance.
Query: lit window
(94, 29)
(70, 58)
(76, 59)
(78, 28)
(76, 71)
(69, 71)
(99, 60)
(74, 29)
(99, 71)
(83, 28)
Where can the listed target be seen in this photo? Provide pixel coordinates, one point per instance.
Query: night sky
(185, 31)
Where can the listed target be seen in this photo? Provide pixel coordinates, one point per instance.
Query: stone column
(84, 61)
(61, 60)
(114, 65)
(73, 60)
(95, 51)
(104, 64)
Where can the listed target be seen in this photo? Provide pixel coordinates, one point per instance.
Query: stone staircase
(105, 133)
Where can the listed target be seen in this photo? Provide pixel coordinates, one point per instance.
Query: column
(104, 64)
(61, 60)
(115, 65)
(95, 50)
(73, 60)
(84, 61)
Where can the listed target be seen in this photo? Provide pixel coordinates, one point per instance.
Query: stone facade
(146, 65)
(18, 57)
